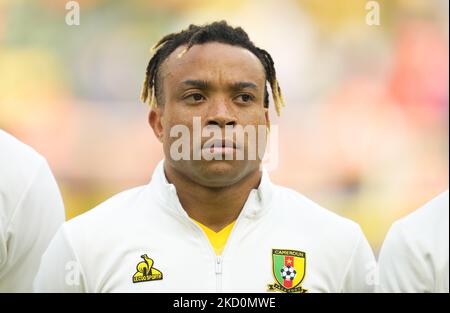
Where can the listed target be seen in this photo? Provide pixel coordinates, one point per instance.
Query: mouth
(220, 146)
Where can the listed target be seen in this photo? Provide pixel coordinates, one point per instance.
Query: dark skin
(223, 85)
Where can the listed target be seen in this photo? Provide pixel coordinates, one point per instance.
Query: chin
(221, 173)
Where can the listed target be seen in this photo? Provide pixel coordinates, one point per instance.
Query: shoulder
(320, 229)
(18, 161)
(426, 226)
(20, 166)
(117, 210)
(433, 213)
(15, 154)
(333, 242)
(310, 214)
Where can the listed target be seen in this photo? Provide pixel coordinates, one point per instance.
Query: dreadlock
(196, 35)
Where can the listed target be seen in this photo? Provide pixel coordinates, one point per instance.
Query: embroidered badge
(146, 271)
(288, 267)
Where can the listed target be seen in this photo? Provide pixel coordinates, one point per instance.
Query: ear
(155, 119)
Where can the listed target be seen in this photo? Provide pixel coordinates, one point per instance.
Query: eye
(196, 97)
(245, 98)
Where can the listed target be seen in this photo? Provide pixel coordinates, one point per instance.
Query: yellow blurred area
(27, 75)
(364, 132)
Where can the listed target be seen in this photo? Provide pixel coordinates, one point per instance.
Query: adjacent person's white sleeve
(60, 269)
(402, 267)
(360, 274)
(34, 221)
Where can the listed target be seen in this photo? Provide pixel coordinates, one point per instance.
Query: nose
(220, 114)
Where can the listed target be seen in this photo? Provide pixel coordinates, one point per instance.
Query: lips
(220, 146)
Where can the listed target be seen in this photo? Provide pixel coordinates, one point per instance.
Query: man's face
(223, 85)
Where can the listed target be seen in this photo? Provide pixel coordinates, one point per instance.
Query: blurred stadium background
(364, 132)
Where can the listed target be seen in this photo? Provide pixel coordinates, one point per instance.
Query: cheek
(184, 115)
(262, 117)
(253, 117)
(176, 121)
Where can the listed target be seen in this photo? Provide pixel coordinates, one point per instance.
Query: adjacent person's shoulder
(17, 159)
(431, 214)
(414, 255)
(424, 226)
(20, 166)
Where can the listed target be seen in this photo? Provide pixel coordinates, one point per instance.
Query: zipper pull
(218, 265)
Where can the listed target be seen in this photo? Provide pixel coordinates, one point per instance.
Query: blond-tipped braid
(277, 97)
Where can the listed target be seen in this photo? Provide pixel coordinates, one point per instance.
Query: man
(213, 223)
(414, 256)
(31, 211)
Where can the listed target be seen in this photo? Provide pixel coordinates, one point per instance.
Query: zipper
(217, 258)
(218, 273)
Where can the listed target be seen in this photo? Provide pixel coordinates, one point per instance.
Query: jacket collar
(165, 193)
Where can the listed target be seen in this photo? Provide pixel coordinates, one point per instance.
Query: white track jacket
(31, 211)
(414, 256)
(142, 240)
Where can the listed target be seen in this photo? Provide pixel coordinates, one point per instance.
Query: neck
(213, 207)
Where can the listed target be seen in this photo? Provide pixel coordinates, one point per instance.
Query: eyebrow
(243, 85)
(200, 84)
(203, 84)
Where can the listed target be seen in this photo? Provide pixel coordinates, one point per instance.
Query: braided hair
(196, 35)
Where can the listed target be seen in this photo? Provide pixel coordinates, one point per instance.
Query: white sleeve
(401, 267)
(361, 270)
(60, 269)
(34, 221)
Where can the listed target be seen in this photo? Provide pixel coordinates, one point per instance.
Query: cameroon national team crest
(288, 270)
(146, 271)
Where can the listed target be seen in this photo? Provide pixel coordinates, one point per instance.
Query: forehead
(213, 62)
